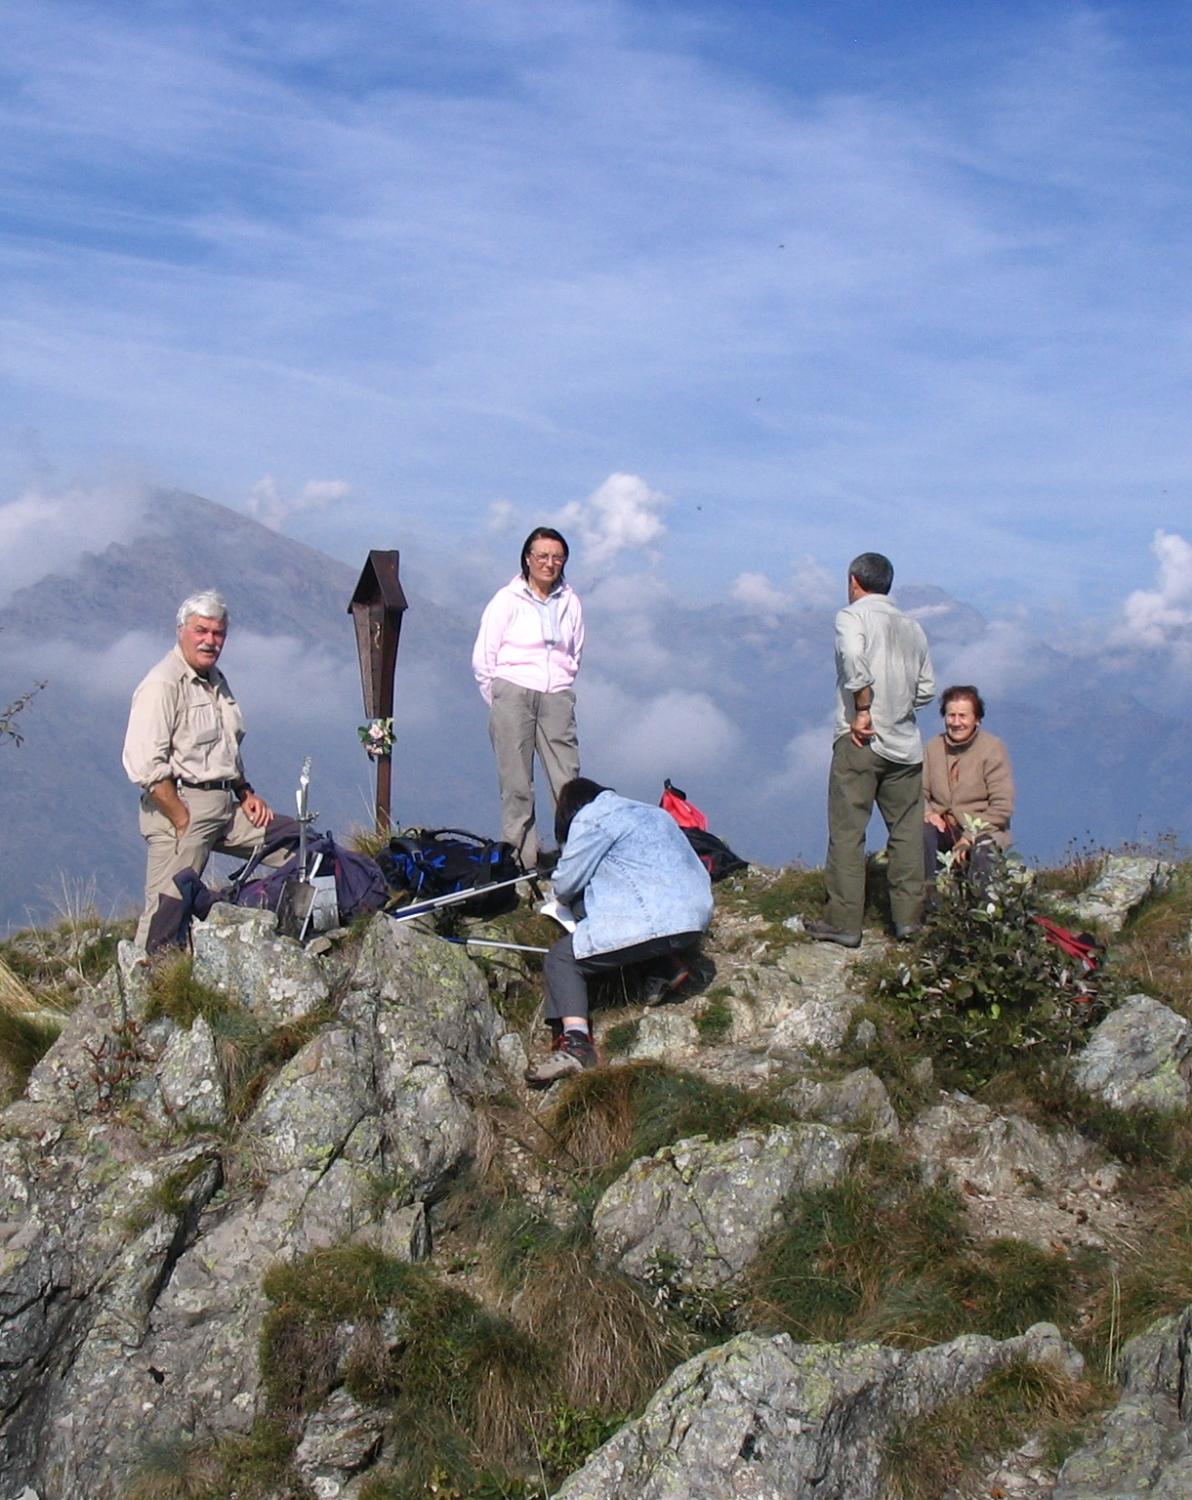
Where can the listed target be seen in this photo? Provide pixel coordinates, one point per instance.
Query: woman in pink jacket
(525, 659)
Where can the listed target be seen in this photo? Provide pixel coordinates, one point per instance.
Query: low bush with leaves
(983, 989)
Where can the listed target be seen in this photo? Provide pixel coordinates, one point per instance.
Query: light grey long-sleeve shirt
(878, 646)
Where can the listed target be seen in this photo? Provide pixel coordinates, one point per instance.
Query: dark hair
(873, 572)
(962, 690)
(543, 533)
(573, 795)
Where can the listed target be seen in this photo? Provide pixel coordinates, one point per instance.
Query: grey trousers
(566, 985)
(216, 824)
(860, 777)
(521, 723)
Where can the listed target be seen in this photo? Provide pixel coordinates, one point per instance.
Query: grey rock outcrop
(704, 1207)
(340, 1440)
(768, 1418)
(1123, 885)
(859, 1102)
(130, 1273)
(190, 1081)
(1139, 1057)
(1016, 1180)
(238, 952)
(1143, 1449)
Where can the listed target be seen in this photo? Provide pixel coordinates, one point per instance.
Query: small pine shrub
(620, 1037)
(984, 990)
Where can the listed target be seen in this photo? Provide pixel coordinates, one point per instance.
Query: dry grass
(606, 1117)
(612, 1346)
(1154, 1282)
(938, 1453)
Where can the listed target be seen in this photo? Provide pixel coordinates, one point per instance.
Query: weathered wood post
(376, 609)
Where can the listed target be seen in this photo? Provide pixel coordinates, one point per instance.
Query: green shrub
(984, 990)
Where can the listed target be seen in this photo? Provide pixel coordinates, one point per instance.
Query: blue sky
(811, 278)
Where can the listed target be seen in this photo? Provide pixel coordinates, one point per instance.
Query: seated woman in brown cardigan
(966, 773)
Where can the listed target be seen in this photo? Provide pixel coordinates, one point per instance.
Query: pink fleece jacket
(533, 643)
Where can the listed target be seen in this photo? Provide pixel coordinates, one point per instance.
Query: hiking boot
(904, 931)
(573, 1052)
(660, 988)
(822, 933)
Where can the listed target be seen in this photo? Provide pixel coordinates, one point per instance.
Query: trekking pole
(493, 943)
(454, 897)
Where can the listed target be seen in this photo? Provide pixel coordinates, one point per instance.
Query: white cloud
(501, 515)
(1005, 662)
(46, 530)
(1162, 616)
(624, 514)
(636, 742)
(754, 591)
(814, 586)
(268, 505)
(805, 761)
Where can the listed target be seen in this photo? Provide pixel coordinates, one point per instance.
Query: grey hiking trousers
(522, 722)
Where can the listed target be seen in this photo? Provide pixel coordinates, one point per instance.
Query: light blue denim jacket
(639, 876)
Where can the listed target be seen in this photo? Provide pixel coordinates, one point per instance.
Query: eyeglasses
(548, 557)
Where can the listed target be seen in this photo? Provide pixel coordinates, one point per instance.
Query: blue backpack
(441, 861)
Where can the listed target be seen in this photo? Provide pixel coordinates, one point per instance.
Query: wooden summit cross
(376, 609)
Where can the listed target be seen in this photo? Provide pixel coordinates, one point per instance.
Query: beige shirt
(183, 725)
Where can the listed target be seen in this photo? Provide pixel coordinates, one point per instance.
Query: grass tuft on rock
(937, 1454)
(611, 1343)
(175, 993)
(880, 1255)
(250, 1466)
(608, 1117)
(25, 1038)
(1154, 1281)
(400, 1337)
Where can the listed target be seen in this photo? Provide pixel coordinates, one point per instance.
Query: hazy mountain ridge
(732, 704)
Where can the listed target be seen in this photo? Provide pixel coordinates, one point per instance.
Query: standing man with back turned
(183, 749)
(883, 673)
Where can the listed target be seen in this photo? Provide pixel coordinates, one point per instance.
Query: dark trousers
(860, 777)
(566, 985)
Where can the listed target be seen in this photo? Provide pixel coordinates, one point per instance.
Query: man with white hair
(182, 748)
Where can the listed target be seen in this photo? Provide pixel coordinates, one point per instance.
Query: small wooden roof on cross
(379, 584)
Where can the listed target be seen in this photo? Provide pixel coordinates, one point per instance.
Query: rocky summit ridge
(278, 1222)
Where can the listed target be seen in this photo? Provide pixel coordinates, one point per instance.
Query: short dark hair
(573, 795)
(963, 690)
(543, 533)
(873, 572)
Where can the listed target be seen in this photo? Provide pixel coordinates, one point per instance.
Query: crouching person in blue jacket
(644, 897)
